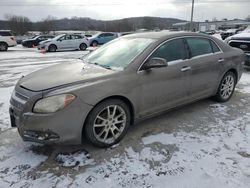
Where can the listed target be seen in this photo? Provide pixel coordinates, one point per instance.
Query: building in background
(222, 25)
(184, 26)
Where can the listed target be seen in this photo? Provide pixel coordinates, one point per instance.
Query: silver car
(127, 80)
(65, 42)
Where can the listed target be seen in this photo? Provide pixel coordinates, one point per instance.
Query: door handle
(221, 60)
(186, 68)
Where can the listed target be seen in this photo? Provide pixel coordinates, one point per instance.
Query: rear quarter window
(215, 47)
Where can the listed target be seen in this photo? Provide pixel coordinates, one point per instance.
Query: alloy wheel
(227, 86)
(3, 47)
(109, 124)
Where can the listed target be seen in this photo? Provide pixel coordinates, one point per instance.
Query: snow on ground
(14, 53)
(214, 154)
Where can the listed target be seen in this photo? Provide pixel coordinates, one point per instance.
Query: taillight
(12, 38)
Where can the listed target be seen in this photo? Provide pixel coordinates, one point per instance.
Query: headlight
(53, 103)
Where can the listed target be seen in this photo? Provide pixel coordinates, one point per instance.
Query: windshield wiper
(104, 66)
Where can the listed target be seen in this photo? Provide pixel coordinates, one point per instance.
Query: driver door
(64, 42)
(166, 87)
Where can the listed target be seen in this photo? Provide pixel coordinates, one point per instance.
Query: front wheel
(226, 87)
(107, 123)
(94, 43)
(52, 48)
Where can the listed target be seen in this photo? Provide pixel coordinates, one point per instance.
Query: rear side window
(5, 33)
(199, 46)
(215, 47)
(171, 51)
(76, 36)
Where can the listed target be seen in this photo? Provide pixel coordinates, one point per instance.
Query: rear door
(166, 87)
(203, 65)
(76, 41)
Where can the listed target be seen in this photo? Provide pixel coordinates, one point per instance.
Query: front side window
(102, 35)
(171, 51)
(199, 46)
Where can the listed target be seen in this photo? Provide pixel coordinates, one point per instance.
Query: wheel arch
(233, 70)
(119, 97)
(53, 45)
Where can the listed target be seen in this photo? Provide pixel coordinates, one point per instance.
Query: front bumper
(42, 47)
(62, 127)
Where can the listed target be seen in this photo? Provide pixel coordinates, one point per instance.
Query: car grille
(243, 45)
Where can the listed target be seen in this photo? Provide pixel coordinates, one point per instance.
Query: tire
(3, 46)
(226, 87)
(99, 125)
(83, 46)
(29, 45)
(94, 43)
(52, 48)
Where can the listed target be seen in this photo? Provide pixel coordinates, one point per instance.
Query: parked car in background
(124, 33)
(6, 40)
(65, 41)
(229, 33)
(102, 38)
(118, 84)
(36, 40)
(241, 41)
(20, 38)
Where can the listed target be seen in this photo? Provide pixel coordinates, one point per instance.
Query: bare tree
(18, 24)
(47, 25)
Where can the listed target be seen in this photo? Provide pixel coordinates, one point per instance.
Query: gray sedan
(127, 80)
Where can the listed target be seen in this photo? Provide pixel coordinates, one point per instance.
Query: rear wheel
(107, 123)
(83, 46)
(226, 87)
(3, 46)
(52, 48)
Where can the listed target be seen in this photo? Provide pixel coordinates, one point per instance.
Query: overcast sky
(115, 9)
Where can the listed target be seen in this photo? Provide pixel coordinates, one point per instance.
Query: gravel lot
(204, 144)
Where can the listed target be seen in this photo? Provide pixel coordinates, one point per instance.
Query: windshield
(119, 53)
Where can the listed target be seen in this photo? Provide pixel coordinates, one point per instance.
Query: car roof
(163, 35)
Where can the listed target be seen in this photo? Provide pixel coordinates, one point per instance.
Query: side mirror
(155, 62)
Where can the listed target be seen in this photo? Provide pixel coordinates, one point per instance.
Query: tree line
(21, 24)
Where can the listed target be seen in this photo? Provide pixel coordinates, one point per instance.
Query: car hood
(62, 74)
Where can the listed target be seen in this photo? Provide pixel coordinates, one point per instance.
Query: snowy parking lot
(204, 144)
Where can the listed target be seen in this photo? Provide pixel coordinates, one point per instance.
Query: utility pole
(192, 16)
